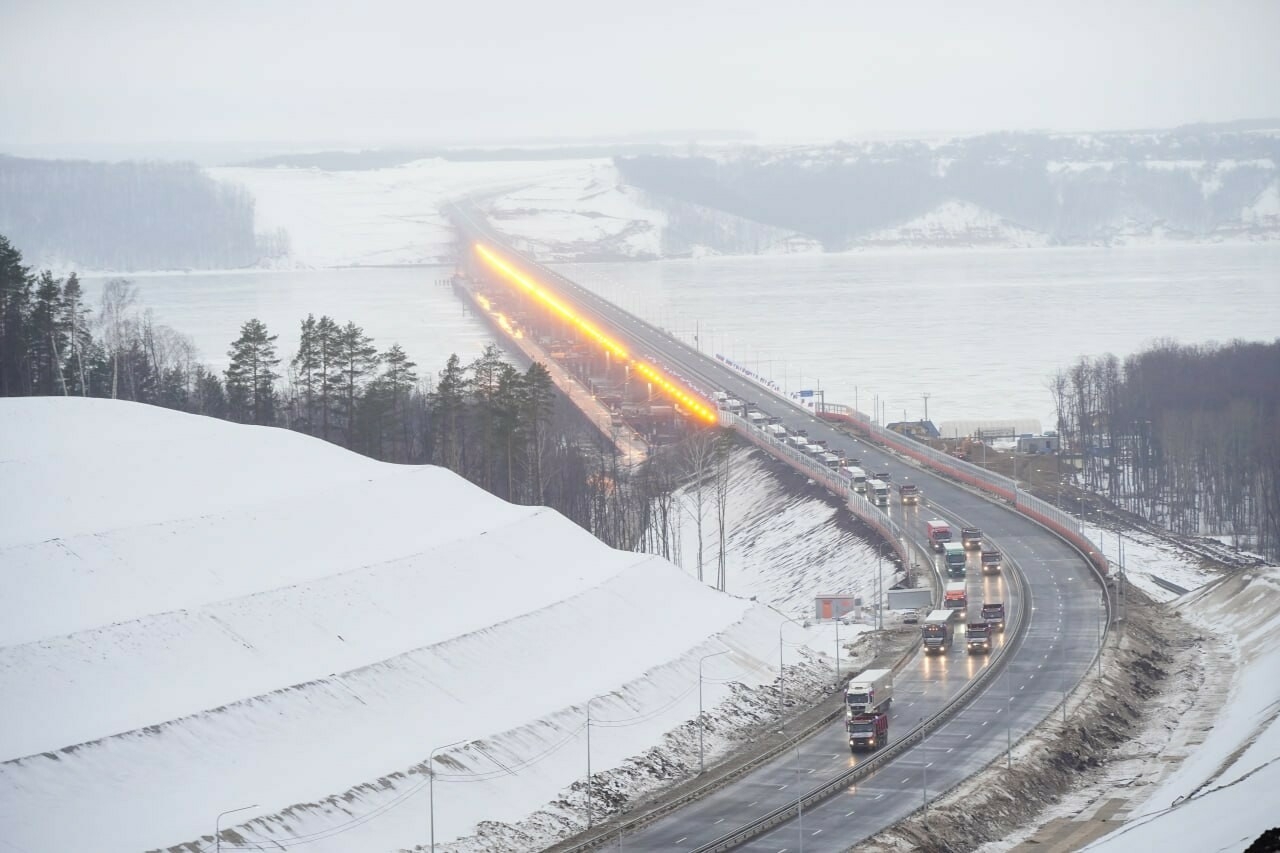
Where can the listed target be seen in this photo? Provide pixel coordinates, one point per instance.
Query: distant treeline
(1083, 189)
(378, 158)
(1185, 436)
(130, 216)
(504, 429)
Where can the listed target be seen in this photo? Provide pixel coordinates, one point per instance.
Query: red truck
(939, 533)
(868, 731)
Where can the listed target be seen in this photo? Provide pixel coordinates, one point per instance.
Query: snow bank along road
(1062, 637)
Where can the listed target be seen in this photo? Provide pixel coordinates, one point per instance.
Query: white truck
(869, 693)
(859, 479)
(878, 491)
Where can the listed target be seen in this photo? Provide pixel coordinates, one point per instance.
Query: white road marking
(721, 820)
(678, 840)
(848, 814)
(816, 831)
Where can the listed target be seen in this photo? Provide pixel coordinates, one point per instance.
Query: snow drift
(202, 615)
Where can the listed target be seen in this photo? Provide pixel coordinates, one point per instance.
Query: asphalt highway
(1062, 637)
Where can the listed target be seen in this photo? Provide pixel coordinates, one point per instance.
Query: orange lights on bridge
(685, 398)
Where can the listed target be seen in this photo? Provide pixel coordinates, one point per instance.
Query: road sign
(808, 392)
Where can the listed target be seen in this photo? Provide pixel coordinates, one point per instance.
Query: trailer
(869, 693)
(954, 557)
(956, 596)
(939, 533)
(936, 632)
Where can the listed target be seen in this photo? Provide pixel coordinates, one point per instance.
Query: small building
(1047, 443)
(920, 430)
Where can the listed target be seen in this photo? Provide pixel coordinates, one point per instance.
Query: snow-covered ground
(202, 616)
(1204, 771)
(956, 223)
(1225, 792)
(383, 216)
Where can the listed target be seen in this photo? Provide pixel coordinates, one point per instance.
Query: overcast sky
(382, 72)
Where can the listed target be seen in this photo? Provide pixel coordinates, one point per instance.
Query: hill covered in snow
(202, 616)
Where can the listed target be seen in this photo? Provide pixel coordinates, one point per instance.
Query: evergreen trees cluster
(498, 426)
(130, 215)
(1185, 436)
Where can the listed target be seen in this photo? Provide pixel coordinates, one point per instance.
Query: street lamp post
(217, 824)
(781, 663)
(589, 761)
(701, 762)
(880, 584)
(431, 787)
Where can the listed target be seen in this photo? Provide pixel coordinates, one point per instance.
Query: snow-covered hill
(1222, 790)
(202, 616)
(955, 224)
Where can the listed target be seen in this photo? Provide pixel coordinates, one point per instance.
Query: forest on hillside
(506, 430)
(1185, 436)
(130, 216)
(1075, 189)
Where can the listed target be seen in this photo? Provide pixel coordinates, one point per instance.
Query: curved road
(1062, 637)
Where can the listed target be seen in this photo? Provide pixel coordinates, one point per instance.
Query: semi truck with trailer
(992, 561)
(993, 614)
(909, 494)
(954, 557)
(869, 693)
(939, 533)
(878, 491)
(971, 538)
(936, 632)
(858, 477)
(956, 597)
(868, 731)
(977, 638)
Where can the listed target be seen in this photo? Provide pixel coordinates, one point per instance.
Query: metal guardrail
(1062, 523)
(1054, 519)
(834, 786)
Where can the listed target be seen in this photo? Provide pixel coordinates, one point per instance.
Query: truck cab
(939, 533)
(992, 560)
(936, 632)
(954, 557)
(868, 731)
(956, 597)
(993, 614)
(869, 693)
(978, 638)
(909, 493)
(878, 491)
(971, 537)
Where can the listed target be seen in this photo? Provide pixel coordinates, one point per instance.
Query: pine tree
(251, 377)
(539, 400)
(448, 414)
(74, 319)
(306, 366)
(358, 358)
(15, 308)
(328, 369)
(47, 339)
(399, 380)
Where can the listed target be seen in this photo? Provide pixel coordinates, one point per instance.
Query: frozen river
(979, 331)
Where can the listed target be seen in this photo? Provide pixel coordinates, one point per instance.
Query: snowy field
(203, 616)
(382, 217)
